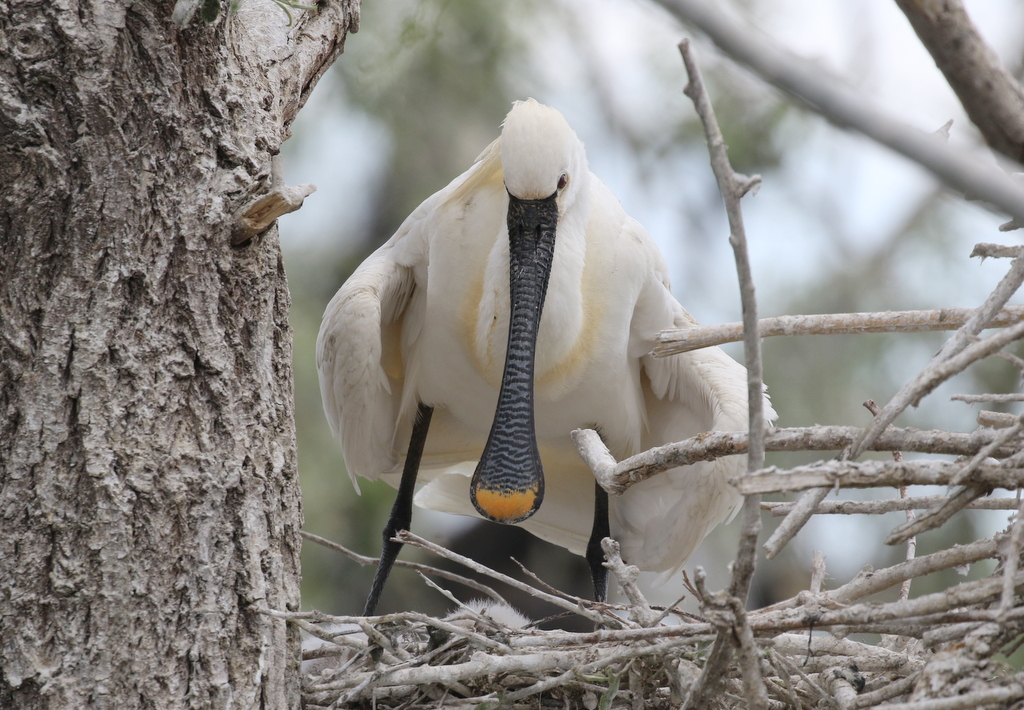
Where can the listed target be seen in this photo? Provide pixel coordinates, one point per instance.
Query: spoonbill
(515, 305)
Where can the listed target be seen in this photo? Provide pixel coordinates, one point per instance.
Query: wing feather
(359, 362)
(662, 520)
(375, 317)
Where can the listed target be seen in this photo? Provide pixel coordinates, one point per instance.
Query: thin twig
(868, 582)
(540, 582)
(733, 187)
(409, 538)
(1005, 435)
(950, 600)
(888, 505)
(794, 521)
(1013, 359)
(976, 398)
(639, 610)
(421, 568)
(616, 478)
(773, 659)
(1011, 560)
(817, 572)
(951, 359)
(794, 669)
(897, 456)
(702, 336)
(873, 474)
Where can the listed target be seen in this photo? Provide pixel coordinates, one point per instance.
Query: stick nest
(942, 650)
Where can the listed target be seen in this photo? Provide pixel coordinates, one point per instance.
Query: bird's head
(541, 157)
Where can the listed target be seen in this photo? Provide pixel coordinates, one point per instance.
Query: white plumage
(425, 319)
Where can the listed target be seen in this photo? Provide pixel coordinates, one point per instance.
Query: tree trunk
(149, 498)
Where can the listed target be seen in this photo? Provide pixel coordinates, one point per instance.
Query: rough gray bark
(149, 499)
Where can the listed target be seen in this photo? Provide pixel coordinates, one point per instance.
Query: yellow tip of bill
(505, 506)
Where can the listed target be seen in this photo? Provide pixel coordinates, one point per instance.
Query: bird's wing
(662, 520)
(358, 358)
(372, 319)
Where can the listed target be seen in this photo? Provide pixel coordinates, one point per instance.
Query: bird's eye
(563, 181)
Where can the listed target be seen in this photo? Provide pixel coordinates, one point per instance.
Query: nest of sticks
(940, 651)
(944, 650)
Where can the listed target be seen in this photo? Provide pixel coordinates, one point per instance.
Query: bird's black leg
(595, 555)
(401, 511)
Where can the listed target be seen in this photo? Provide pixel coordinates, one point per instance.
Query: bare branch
(749, 660)
(596, 455)
(797, 517)
(951, 359)
(990, 95)
(616, 478)
(1013, 359)
(817, 572)
(800, 644)
(976, 398)
(796, 670)
(421, 568)
(997, 251)
(868, 582)
(872, 474)
(996, 420)
(1005, 435)
(962, 595)
(935, 517)
(1011, 559)
(703, 336)
(733, 187)
(840, 682)
(258, 215)
(889, 505)
(627, 575)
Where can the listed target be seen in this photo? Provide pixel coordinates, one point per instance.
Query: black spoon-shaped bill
(508, 484)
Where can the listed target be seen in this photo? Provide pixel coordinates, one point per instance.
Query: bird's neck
(562, 315)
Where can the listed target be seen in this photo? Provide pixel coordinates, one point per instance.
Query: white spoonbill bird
(515, 305)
